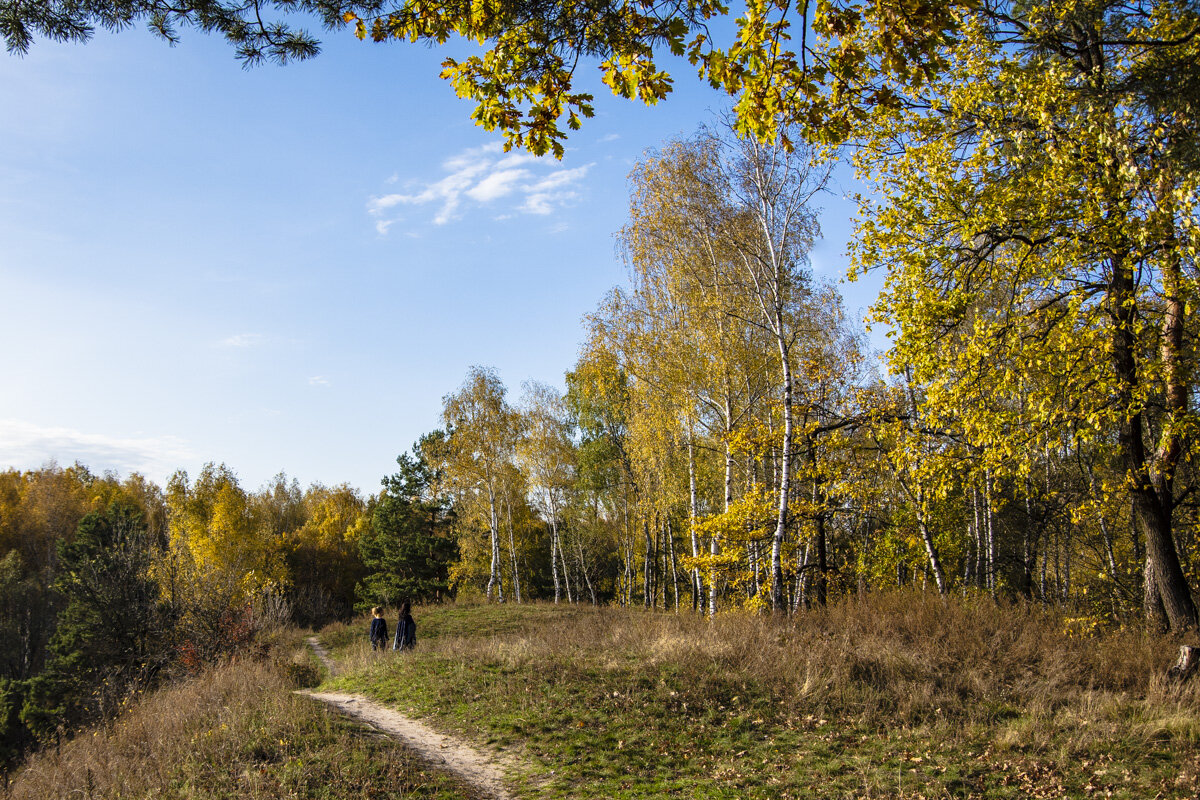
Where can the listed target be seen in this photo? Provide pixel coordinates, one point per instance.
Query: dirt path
(470, 764)
(322, 655)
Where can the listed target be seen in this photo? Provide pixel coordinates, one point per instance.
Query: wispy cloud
(24, 445)
(318, 380)
(497, 185)
(243, 340)
(483, 176)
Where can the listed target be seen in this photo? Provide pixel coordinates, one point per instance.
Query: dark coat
(378, 631)
(406, 633)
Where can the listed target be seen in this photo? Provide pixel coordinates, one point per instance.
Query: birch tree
(482, 435)
(548, 455)
(771, 189)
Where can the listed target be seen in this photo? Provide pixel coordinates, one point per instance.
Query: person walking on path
(378, 629)
(406, 629)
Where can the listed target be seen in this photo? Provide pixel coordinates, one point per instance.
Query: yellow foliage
(214, 523)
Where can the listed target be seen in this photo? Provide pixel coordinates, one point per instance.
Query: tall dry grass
(143, 750)
(902, 658)
(236, 730)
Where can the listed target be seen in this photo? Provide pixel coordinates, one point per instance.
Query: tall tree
(770, 189)
(598, 401)
(548, 454)
(681, 327)
(110, 638)
(482, 431)
(1040, 236)
(221, 528)
(409, 545)
(322, 553)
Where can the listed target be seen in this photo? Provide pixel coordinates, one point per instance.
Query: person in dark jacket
(406, 629)
(378, 629)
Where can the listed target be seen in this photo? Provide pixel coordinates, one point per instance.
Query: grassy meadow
(895, 696)
(891, 696)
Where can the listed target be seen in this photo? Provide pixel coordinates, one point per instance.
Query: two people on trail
(406, 629)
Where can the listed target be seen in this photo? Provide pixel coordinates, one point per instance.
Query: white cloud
(496, 185)
(562, 177)
(24, 445)
(480, 176)
(318, 380)
(540, 203)
(516, 160)
(243, 340)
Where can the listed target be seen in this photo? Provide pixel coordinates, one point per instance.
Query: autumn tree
(225, 562)
(481, 436)
(1039, 237)
(730, 348)
(598, 402)
(321, 553)
(547, 453)
(765, 221)
(679, 326)
(221, 527)
(820, 64)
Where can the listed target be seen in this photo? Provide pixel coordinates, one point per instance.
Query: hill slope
(892, 696)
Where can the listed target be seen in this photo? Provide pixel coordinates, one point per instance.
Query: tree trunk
(785, 477)
(978, 573)
(991, 533)
(512, 554)
(931, 552)
(1028, 550)
(1166, 587)
(494, 582)
(587, 578)
(1189, 660)
(566, 572)
(554, 547)
(674, 564)
(822, 582)
(697, 587)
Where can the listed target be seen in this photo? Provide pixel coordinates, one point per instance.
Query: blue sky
(287, 268)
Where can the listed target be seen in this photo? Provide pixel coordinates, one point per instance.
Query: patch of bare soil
(475, 767)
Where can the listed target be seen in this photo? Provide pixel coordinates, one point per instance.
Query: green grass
(629, 704)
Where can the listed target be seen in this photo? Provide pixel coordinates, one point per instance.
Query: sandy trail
(468, 763)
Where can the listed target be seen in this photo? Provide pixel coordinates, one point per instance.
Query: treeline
(110, 586)
(726, 441)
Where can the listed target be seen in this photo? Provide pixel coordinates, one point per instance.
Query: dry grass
(237, 730)
(902, 658)
(900, 695)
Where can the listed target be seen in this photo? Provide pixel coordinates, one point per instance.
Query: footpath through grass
(886, 698)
